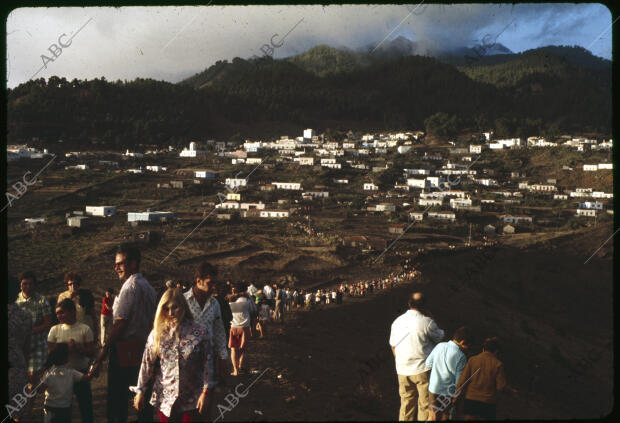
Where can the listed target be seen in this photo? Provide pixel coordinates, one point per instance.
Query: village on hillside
(477, 190)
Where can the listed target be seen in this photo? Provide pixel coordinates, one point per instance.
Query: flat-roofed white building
(369, 186)
(304, 161)
(586, 212)
(236, 182)
(100, 210)
(516, 219)
(150, 216)
(233, 196)
(442, 215)
(156, 168)
(590, 168)
(416, 216)
(273, 213)
(591, 205)
(608, 166)
(252, 206)
(385, 207)
(294, 186)
(560, 197)
(426, 202)
(460, 202)
(417, 183)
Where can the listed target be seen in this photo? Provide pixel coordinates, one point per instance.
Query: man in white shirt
(269, 295)
(412, 338)
(252, 290)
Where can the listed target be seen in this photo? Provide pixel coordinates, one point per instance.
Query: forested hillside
(544, 91)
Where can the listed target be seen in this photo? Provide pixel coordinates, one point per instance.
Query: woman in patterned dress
(176, 362)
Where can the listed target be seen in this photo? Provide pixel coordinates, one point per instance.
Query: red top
(105, 311)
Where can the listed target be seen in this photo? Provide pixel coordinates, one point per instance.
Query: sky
(172, 43)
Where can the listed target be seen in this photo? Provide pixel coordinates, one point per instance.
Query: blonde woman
(182, 348)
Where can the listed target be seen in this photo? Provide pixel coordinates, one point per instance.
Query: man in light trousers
(412, 338)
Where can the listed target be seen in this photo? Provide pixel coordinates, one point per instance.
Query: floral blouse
(180, 371)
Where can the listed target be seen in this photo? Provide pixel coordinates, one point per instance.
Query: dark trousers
(119, 381)
(84, 397)
(59, 415)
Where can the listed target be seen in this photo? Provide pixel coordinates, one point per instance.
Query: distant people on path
(206, 311)
(412, 338)
(241, 308)
(83, 299)
(481, 380)
(106, 314)
(59, 383)
(447, 361)
(41, 314)
(19, 328)
(81, 343)
(176, 363)
(133, 313)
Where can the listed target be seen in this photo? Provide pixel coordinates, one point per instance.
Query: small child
(58, 383)
(264, 315)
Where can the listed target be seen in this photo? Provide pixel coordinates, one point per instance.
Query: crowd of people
(170, 348)
(435, 378)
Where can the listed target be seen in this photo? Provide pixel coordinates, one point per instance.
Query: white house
(137, 171)
(487, 182)
(586, 212)
(434, 181)
(410, 172)
(460, 202)
(233, 196)
(543, 188)
(442, 215)
(601, 194)
(101, 210)
(192, 151)
(316, 194)
(295, 186)
(253, 160)
(273, 213)
(304, 161)
(156, 168)
(236, 182)
(308, 134)
(417, 183)
(252, 206)
(204, 174)
(228, 205)
(602, 166)
(560, 197)
(590, 168)
(429, 202)
(149, 216)
(591, 205)
(341, 181)
(385, 207)
(475, 149)
(402, 149)
(417, 215)
(369, 186)
(516, 219)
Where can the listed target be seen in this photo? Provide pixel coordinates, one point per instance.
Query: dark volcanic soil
(552, 312)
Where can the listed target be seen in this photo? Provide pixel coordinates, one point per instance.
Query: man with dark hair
(446, 361)
(41, 313)
(80, 339)
(80, 296)
(481, 380)
(206, 311)
(133, 312)
(412, 338)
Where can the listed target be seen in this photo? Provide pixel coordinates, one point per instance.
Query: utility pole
(469, 242)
